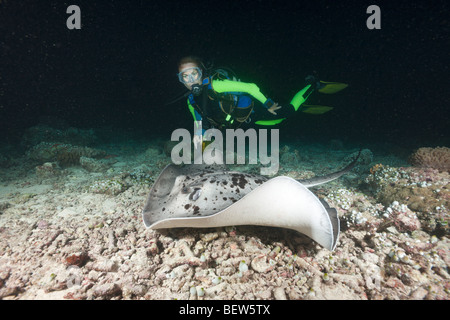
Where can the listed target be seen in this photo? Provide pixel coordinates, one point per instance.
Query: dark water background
(119, 69)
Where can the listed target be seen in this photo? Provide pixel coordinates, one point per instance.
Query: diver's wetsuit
(228, 104)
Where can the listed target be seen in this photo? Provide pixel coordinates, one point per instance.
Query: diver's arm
(252, 89)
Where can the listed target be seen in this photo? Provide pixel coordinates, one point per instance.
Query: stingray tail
(329, 177)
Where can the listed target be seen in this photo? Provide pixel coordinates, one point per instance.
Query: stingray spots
(259, 181)
(239, 180)
(196, 210)
(187, 206)
(225, 198)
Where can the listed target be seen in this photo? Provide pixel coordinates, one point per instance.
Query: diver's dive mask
(190, 75)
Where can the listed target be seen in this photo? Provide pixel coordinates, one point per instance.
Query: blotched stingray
(202, 196)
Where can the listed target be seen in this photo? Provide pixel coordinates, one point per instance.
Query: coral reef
(111, 186)
(141, 176)
(365, 158)
(425, 191)
(92, 165)
(65, 154)
(77, 259)
(401, 217)
(48, 170)
(288, 156)
(436, 158)
(363, 163)
(126, 261)
(58, 242)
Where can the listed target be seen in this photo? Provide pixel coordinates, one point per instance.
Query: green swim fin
(331, 87)
(315, 109)
(269, 122)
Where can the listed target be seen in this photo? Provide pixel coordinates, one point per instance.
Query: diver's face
(190, 74)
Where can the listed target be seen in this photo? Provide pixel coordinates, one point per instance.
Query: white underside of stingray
(201, 197)
(280, 202)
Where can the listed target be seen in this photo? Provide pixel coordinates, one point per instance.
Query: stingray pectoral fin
(280, 202)
(334, 219)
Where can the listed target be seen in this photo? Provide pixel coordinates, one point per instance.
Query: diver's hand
(273, 108)
(197, 140)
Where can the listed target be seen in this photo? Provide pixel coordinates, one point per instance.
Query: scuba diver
(223, 103)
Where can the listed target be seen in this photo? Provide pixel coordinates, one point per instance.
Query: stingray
(206, 196)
